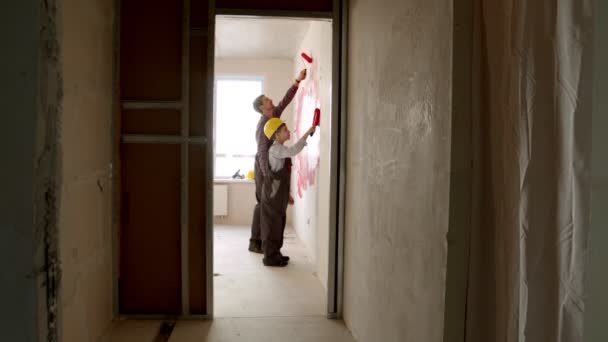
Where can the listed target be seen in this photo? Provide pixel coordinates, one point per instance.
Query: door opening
(267, 60)
(165, 109)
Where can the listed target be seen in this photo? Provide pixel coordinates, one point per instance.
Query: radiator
(220, 200)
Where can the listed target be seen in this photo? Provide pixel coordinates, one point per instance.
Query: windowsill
(230, 180)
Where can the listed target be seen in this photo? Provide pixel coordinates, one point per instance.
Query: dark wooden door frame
(188, 139)
(338, 15)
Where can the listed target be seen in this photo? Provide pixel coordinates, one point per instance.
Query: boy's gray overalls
(275, 198)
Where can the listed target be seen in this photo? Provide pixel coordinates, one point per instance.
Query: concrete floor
(276, 329)
(252, 302)
(244, 287)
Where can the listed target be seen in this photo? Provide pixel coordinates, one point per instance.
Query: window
(235, 124)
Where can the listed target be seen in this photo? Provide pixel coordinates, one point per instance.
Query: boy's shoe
(284, 257)
(255, 246)
(275, 263)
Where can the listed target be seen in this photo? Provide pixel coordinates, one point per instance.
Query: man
(263, 105)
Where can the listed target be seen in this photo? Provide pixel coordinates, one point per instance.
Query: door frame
(464, 178)
(183, 139)
(335, 282)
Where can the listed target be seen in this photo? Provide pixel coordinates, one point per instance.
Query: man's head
(263, 105)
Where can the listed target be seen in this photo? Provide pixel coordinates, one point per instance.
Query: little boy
(275, 191)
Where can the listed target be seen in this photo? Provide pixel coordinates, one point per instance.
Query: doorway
(266, 61)
(163, 133)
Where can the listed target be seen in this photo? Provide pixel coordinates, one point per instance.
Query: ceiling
(239, 37)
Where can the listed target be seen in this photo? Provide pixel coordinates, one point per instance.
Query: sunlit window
(235, 125)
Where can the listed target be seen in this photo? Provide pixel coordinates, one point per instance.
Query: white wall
(277, 73)
(596, 313)
(241, 201)
(311, 212)
(278, 76)
(86, 141)
(398, 153)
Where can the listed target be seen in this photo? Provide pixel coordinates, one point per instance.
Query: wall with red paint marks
(310, 180)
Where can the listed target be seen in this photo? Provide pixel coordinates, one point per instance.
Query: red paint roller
(307, 57)
(316, 119)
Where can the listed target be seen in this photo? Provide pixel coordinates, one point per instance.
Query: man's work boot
(255, 246)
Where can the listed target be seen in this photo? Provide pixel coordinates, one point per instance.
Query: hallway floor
(270, 329)
(252, 302)
(244, 287)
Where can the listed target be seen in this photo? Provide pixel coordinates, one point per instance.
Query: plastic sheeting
(526, 277)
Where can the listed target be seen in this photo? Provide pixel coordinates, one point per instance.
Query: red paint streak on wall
(307, 161)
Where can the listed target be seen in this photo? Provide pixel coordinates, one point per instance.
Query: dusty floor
(276, 329)
(246, 288)
(252, 302)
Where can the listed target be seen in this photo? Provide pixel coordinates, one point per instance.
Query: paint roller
(316, 119)
(307, 58)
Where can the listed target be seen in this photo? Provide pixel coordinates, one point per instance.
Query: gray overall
(275, 198)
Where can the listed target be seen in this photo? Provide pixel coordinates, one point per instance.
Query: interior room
(266, 60)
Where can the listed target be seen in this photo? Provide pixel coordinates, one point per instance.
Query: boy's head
(276, 129)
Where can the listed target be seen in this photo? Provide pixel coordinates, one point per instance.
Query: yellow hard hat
(250, 175)
(271, 127)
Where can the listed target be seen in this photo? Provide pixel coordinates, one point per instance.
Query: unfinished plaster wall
(398, 153)
(30, 93)
(19, 294)
(86, 141)
(596, 313)
(311, 210)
